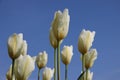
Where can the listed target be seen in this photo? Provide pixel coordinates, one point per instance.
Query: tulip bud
(8, 74)
(41, 59)
(85, 40)
(15, 44)
(34, 58)
(48, 73)
(24, 65)
(67, 54)
(60, 24)
(53, 40)
(90, 57)
(24, 48)
(89, 76)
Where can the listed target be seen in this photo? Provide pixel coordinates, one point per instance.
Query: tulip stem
(83, 62)
(58, 61)
(66, 71)
(55, 65)
(39, 74)
(86, 74)
(13, 61)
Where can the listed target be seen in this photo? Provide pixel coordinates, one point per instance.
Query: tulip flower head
(67, 54)
(8, 74)
(41, 59)
(24, 66)
(85, 40)
(34, 58)
(89, 76)
(48, 73)
(53, 39)
(24, 48)
(15, 44)
(90, 57)
(60, 24)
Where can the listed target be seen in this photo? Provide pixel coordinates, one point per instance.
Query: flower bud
(48, 73)
(53, 39)
(15, 44)
(89, 76)
(90, 57)
(41, 59)
(24, 48)
(24, 66)
(85, 40)
(60, 24)
(67, 54)
(8, 74)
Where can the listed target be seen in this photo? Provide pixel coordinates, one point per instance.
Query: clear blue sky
(33, 18)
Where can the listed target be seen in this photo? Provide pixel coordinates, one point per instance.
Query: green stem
(39, 74)
(13, 61)
(83, 62)
(86, 74)
(58, 61)
(66, 72)
(55, 65)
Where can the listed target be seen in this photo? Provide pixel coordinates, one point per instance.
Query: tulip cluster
(89, 55)
(23, 64)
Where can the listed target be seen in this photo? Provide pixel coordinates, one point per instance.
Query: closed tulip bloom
(89, 76)
(85, 40)
(15, 44)
(41, 59)
(24, 48)
(48, 73)
(67, 54)
(34, 58)
(60, 24)
(8, 74)
(53, 40)
(24, 66)
(90, 57)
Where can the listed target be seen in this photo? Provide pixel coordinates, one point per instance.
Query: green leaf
(81, 76)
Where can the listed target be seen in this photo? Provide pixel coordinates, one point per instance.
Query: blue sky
(33, 18)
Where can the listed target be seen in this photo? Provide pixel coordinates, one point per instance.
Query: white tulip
(8, 74)
(89, 76)
(90, 57)
(85, 40)
(24, 66)
(60, 24)
(34, 58)
(53, 39)
(48, 73)
(15, 44)
(67, 54)
(41, 59)
(24, 48)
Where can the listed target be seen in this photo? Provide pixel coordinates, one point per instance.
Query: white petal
(24, 67)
